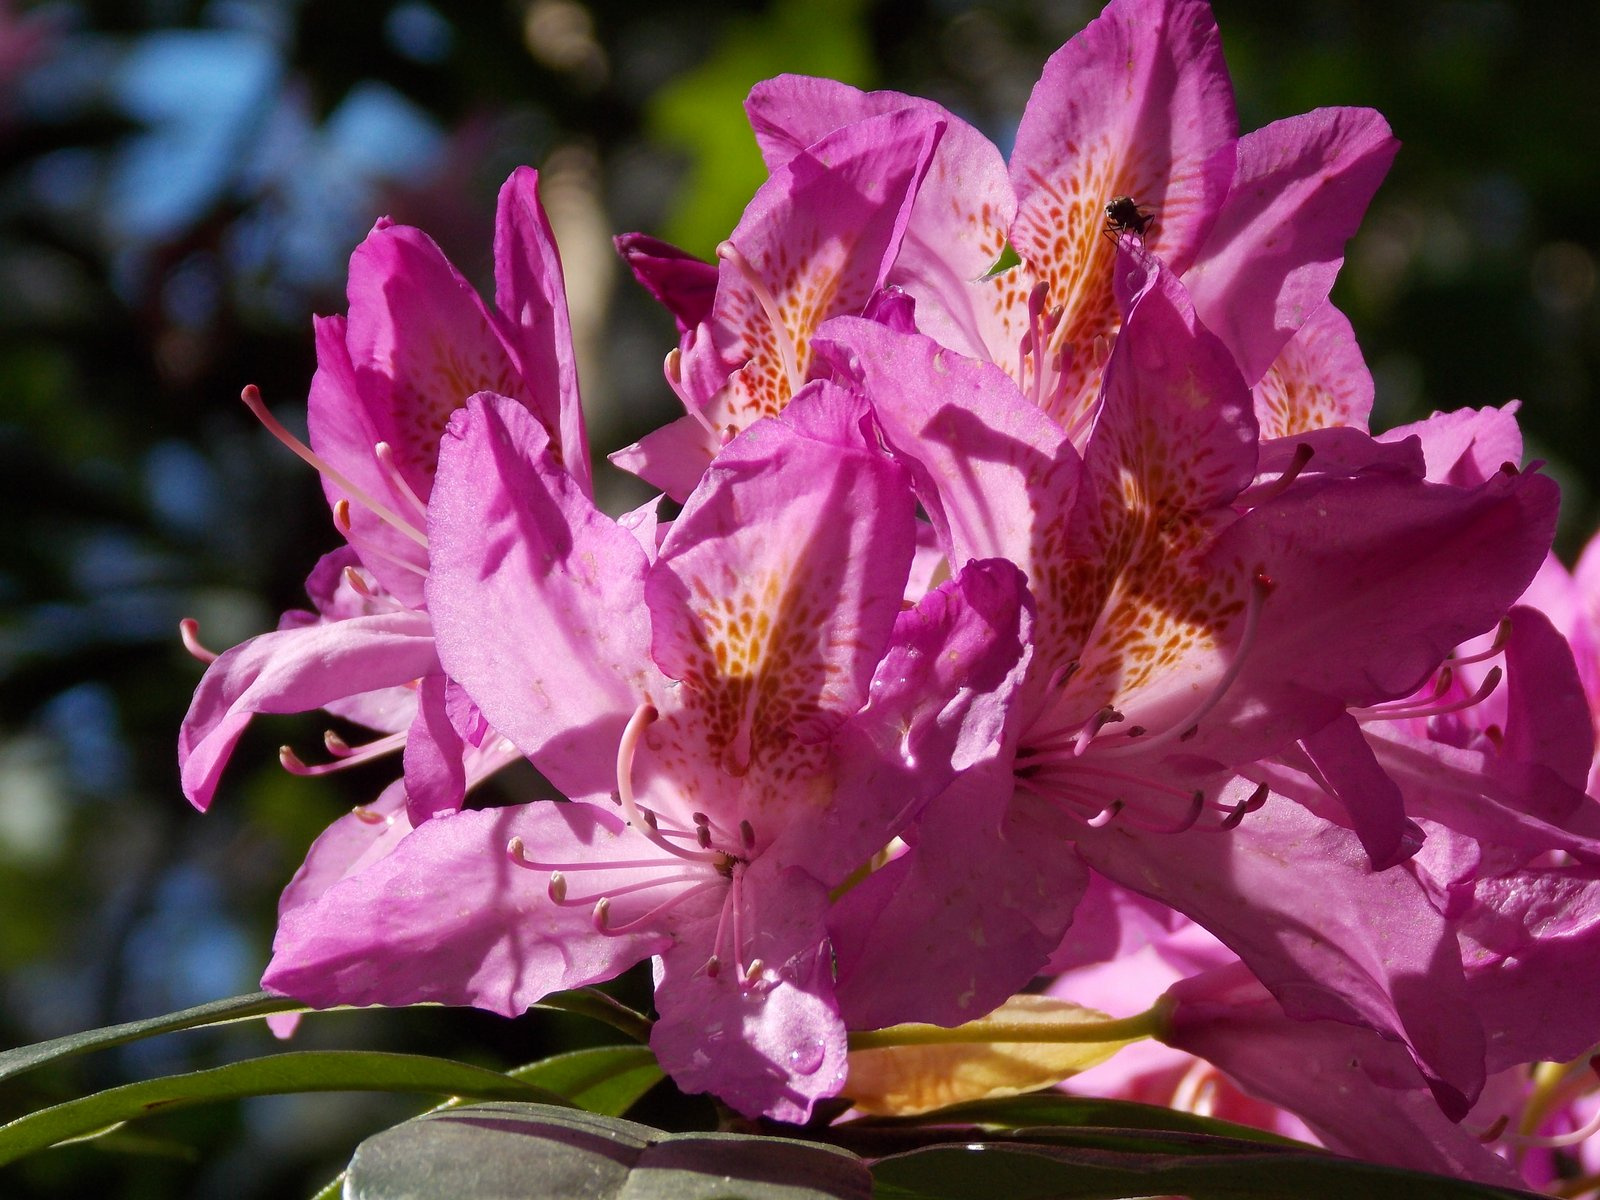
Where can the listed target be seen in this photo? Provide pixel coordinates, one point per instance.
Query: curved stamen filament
(781, 336)
(384, 453)
(1429, 707)
(252, 399)
(518, 853)
(559, 894)
(642, 717)
(1554, 1141)
(189, 632)
(1084, 805)
(345, 755)
(1502, 635)
(368, 549)
(1071, 767)
(1271, 491)
(601, 915)
(1238, 811)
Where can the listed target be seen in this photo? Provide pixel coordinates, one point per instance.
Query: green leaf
(303, 1071)
(1036, 1171)
(217, 1012)
(604, 1079)
(1054, 1109)
(701, 111)
(514, 1151)
(595, 1004)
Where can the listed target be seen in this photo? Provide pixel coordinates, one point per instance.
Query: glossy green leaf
(304, 1071)
(515, 1151)
(1054, 1109)
(1037, 1171)
(604, 1079)
(217, 1012)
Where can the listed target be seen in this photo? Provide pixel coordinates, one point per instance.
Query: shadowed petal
(448, 917)
(294, 670)
(1299, 189)
(536, 597)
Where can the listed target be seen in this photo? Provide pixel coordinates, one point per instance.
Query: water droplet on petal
(805, 1058)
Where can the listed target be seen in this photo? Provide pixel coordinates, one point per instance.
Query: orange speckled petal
(1139, 105)
(818, 239)
(1319, 380)
(776, 591)
(1174, 442)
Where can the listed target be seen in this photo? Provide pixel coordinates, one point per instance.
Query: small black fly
(1123, 215)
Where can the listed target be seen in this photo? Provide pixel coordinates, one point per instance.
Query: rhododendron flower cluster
(1040, 604)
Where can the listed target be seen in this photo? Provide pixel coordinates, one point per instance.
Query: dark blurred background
(180, 186)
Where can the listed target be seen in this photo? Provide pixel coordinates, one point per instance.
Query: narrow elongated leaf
(603, 1079)
(305, 1071)
(1029, 1171)
(593, 1003)
(514, 1151)
(1051, 1109)
(217, 1012)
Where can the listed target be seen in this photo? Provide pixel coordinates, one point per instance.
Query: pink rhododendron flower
(1193, 618)
(816, 241)
(1137, 106)
(416, 343)
(743, 719)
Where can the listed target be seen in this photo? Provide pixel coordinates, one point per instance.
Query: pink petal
(530, 294)
(1137, 105)
(536, 597)
(1357, 1091)
(1373, 800)
(991, 469)
(965, 918)
(776, 590)
(773, 1046)
(1299, 190)
(939, 704)
(1467, 446)
(344, 426)
(820, 235)
(347, 846)
(1374, 580)
(962, 213)
(420, 343)
(684, 284)
(1319, 379)
(1530, 928)
(435, 775)
(1298, 901)
(493, 939)
(294, 670)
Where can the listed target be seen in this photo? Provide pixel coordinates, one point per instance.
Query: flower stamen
(252, 400)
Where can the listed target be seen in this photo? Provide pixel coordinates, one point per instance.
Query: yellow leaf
(903, 1080)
